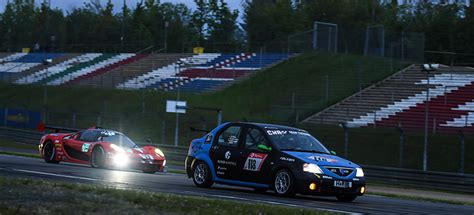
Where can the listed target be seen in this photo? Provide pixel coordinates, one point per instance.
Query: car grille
(341, 171)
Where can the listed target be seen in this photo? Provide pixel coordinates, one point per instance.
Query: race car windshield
(288, 140)
(120, 140)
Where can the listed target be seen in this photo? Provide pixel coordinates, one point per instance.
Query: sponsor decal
(221, 168)
(327, 177)
(284, 132)
(287, 159)
(107, 133)
(85, 147)
(19, 118)
(227, 155)
(255, 161)
(322, 159)
(220, 173)
(276, 132)
(227, 162)
(232, 140)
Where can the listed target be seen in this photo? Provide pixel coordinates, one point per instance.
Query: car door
(255, 163)
(225, 153)
(79, 144)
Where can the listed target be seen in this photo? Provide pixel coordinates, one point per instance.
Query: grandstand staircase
(105, 70)
(56, 61)
(400, 99)
(136, 67)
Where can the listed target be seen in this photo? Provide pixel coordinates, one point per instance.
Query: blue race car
(264, 156)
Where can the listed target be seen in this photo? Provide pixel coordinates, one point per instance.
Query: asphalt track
(13, 166)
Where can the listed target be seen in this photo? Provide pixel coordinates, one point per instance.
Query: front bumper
(139, 163)
(188, 165)
(325, 185)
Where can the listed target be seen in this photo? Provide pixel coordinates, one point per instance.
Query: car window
(76, 136)
(230, 136)
(253, 138)
(117, 139)
(89, 136)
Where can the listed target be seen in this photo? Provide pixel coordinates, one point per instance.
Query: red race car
(101, 148)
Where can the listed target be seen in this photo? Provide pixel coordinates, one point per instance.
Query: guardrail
(455, 182)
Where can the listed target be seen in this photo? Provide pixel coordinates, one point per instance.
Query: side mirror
(265, 148)
(333, 152)
(148, 141)
(208, 138)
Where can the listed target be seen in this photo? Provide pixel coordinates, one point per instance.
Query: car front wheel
(202, 175)
(49, 153)
(283, 183)
(98, 157)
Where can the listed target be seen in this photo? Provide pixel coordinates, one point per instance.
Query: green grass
(420, 198)
(21, 154)
(13, 144)
(26, 196)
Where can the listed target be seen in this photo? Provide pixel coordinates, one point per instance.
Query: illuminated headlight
(359, 172)
(159, 152)
(164, 163)
(312, 168)
(120, 159)
(117, 148)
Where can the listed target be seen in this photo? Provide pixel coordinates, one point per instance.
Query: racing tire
(284, 183)
(202, 175)
(346, 197)
(98, 157)
(49, 152)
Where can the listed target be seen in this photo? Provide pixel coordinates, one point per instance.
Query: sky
(68, 4)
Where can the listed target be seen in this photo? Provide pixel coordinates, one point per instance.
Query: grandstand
(400, 101)
(168, 72)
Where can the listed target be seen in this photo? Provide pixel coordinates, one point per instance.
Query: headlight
(359, 172)
(120, 159)
(117, 148)
(159, 152)
(312, 168)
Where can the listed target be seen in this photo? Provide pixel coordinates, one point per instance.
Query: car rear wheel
(283, 183)
(346, 197)
(202, 175)
(98, 157)
(49, 152)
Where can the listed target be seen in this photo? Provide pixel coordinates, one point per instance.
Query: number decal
(254, 161)
(85, 147)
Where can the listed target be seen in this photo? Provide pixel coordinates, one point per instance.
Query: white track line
(57, 175)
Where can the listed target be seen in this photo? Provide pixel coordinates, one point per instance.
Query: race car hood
(146, 150)
(322, 159)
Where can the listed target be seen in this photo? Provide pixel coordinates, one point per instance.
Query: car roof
(271, 126)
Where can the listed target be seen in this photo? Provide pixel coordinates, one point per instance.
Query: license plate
(343, 184)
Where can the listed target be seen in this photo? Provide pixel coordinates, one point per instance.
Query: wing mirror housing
(264, 148)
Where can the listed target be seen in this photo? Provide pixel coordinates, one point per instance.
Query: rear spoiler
(58, 129)
(199, 130)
